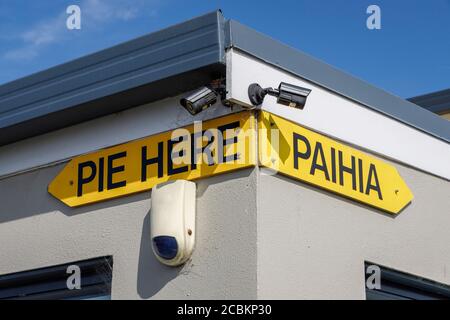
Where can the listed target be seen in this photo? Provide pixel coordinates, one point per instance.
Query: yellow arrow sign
(225, 144)
(302, 154)
(200, 150)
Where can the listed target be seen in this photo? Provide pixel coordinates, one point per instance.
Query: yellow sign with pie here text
(196, 151)
(304, 155)
(225, 144)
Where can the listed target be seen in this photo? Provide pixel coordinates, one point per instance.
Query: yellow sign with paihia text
(302, 154)
(226, 144)
(199, 150)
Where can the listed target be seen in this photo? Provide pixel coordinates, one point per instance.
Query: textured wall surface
(313, 244)
(37, 230)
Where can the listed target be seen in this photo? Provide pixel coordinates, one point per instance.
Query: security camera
(172, 221)
(199, 100)
(205, 97)
(292, 96)
(286, 94)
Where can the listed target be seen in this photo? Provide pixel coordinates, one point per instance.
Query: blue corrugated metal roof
(180, 49)
(436, 102)
(318, 72)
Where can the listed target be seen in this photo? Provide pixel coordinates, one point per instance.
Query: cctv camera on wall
(287, 94)
(199, 100)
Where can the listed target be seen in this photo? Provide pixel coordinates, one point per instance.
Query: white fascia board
(338, 117)
(128, 125)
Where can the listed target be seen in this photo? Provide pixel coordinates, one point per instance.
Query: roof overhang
(159, 65)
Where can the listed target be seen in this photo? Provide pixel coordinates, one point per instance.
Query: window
(50, 283)
(395, 285)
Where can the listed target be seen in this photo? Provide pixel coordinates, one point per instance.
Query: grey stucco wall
(312, 244)
(37, 230)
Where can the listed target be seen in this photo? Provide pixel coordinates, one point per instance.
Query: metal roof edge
(309, 68)
(103, 54)
(149, 68)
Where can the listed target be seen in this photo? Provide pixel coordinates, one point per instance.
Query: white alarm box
(172, 221)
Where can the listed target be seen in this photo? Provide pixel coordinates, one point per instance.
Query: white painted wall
(312, 244)
(340, 118)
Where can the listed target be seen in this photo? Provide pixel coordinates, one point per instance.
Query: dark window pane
(51, 283)
(395, 285)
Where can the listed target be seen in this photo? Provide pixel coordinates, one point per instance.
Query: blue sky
(409, 56)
